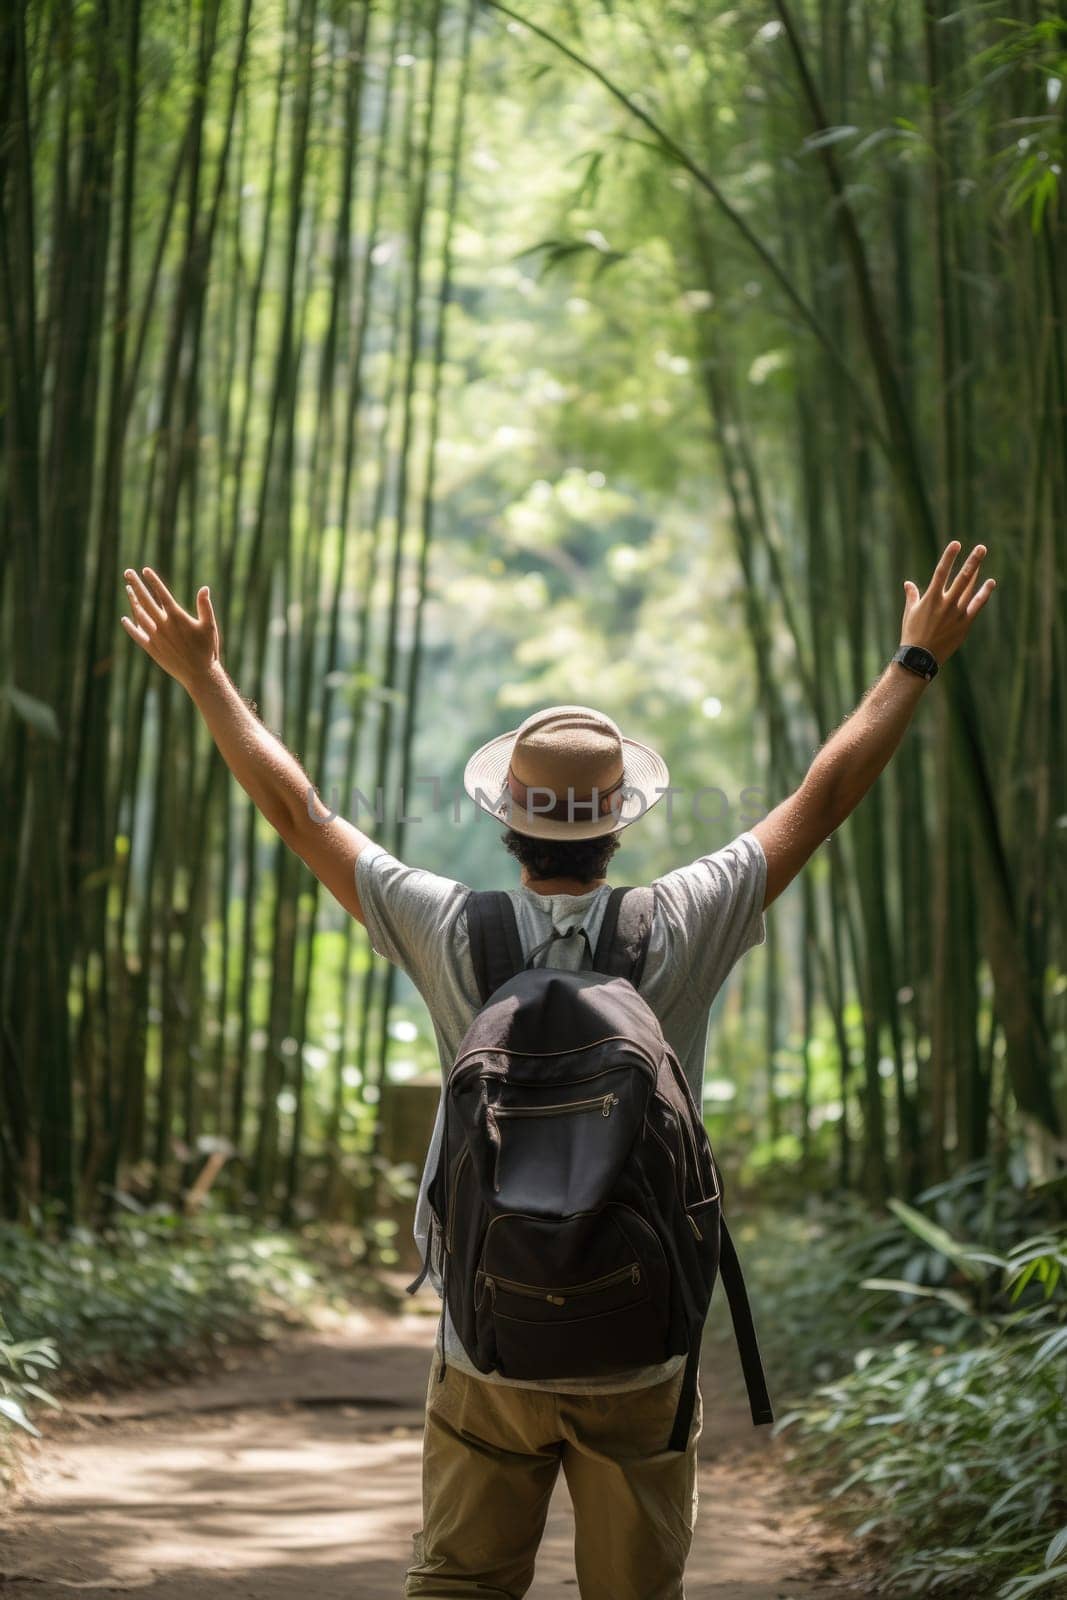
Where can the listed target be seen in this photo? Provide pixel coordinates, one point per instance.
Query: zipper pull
(635, 1273)
(609, 1101)
(490, 1117)
(556, 1299)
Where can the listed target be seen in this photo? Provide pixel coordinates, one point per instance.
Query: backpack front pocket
(539, 1317)
(559, 1152)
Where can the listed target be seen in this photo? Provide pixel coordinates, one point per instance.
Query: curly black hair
(583, 859)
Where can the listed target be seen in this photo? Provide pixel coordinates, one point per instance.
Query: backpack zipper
(688, 1147)
(452, 1196)
(559, 1296)
(558, 1107)
(683, 1140)
(693, 1143)
(679, 1185)
(544, 1055)
(670, 1157)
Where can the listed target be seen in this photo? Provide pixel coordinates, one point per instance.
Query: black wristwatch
(917, 660)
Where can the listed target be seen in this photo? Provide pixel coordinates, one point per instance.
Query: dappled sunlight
(284, 1493)
(307, 1487)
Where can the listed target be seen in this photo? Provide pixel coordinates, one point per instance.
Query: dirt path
(296, 1474)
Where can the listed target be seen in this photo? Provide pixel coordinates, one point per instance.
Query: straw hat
(567, 773)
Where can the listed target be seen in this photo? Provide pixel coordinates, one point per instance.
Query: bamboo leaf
(1025, 1586)
(1023, 1276)
(1044, 190)
(938, 1239)
(35, 712)
(42, 1394)
(1052, 1346)
(948, 1297)
(14, 1412)
(827, 136)
(1057, 1547)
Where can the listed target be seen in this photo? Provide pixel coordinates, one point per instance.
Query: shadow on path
(296, 1473)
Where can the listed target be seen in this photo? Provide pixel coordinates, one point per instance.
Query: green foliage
(32, 711)
(949, 1460)
(21, 1362)
(160, 1292)
(942, 1449)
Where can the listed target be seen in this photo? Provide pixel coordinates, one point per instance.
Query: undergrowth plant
(161, 1292)
(938, 1434)
(22, 1363)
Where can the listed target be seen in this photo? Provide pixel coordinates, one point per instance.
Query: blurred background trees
(627, 353)
(478, 357)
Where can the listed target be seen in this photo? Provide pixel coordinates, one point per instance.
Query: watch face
(917, 659)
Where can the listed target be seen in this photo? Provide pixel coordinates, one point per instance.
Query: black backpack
(577, 1205)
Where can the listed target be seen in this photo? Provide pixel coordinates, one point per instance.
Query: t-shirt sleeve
(410, 913)
(714, 910)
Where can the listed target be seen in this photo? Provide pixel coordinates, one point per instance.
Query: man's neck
(573, 886)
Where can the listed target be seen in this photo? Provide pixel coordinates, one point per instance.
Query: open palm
(185, 646)
(940, 618)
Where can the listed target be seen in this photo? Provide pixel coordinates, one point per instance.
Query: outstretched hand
(941, 618)
(186, 647)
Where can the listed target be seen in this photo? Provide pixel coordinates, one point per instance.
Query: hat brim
(645, 780)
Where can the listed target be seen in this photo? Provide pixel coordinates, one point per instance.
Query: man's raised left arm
(853, 756)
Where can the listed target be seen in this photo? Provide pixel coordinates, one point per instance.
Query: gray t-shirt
(708, 914)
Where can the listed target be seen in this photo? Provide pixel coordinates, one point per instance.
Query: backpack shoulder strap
(496, 949)
(744, 1328)
(624, 933)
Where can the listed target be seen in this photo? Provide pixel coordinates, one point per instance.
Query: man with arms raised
(493, 1445)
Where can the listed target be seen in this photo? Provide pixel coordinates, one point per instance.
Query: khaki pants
(491, 1457)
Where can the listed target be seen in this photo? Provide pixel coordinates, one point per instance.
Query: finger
(135, 584)
(962, 586)
(203, 606)
(911, 592)
(135, 632)
(981, 597)
(144, 620)
(944, 566)
(160, 589)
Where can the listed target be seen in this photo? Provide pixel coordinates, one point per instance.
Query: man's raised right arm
(189, 649)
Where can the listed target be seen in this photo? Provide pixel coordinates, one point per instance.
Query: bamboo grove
(230, 275)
